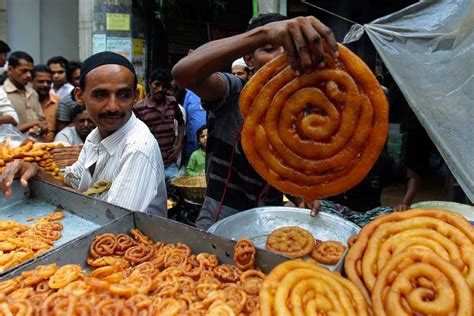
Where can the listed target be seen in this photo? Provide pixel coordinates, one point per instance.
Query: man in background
(41, 82)
(159, 112)
(60, 86)
(77, 133)
(24, 99)
(239, 68)
(68, 102)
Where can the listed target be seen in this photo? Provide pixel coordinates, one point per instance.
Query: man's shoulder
(140, 104)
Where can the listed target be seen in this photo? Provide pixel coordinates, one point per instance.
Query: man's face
(76, 74)
(21, 74)
(42, 83)
(262, 55)
(158, 91)
(240, 72)
(84, 124)
(3, 59)
(59, 74)
(109, 95)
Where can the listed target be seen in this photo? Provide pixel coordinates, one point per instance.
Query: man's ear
(249, 61)
(78, 93)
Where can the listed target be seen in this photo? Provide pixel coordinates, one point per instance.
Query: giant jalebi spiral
(445, 239)
(297, 287)
(419, 282)
(317, 134)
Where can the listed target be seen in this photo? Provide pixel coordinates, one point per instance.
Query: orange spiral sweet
(328, 252)
(244, 254)
(419, 282)
(139, 254)
(297, 287)
(446, 234)
(318, 134)
(103, 245)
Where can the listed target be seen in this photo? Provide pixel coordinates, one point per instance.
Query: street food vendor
(120, 162)
(232, 184)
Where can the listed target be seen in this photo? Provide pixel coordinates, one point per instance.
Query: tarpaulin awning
(429, 50)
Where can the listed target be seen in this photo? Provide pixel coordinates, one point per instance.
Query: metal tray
(258, 223)
(82, 214)
(158, 229)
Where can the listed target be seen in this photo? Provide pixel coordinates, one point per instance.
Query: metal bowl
(257, 223)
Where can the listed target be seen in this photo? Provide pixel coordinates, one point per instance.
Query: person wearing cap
(240, 69)
(120, 162)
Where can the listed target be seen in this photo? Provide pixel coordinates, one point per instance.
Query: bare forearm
(413, 185)
(7, 120)
(26, 126)
(216, 55)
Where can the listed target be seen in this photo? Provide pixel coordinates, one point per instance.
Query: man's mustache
(112, 115)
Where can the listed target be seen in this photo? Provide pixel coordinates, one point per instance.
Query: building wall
(60, 29)
(44, 28)
(3, 20)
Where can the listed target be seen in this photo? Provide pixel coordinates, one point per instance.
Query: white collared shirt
(131, 159)
(69, 135)
(6, 108)
(63, 91)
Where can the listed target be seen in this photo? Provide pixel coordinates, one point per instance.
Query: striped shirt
(130, 158)
(161, 123)
(65, 108)
(230, 177)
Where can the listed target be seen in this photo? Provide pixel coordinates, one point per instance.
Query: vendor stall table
(158, 229)
(82, 215)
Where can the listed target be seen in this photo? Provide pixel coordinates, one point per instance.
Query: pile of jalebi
(19, 242)
(134, 276)
(417, 262)
(318, 134)
(38, 153)
(298, 287)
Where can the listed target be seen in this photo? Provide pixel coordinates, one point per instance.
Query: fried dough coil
(328, 252)
(103, 245)
(139, 254)
(244, 254)
(297, 287)
(444, 233)
(291, 241)
(420, 282)
(316, 135)
(64, 275)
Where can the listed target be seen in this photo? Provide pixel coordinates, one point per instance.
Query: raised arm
(300, 38)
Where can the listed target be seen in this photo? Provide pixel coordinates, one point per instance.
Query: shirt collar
(111, 142)
(53, 99)
(9, 86)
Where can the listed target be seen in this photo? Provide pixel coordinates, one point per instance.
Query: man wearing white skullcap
(240, 69)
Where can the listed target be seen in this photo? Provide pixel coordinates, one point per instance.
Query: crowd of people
(188, 122)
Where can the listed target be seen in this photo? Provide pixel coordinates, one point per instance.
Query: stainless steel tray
(258, 223)
(156, 228)
(82, 214)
